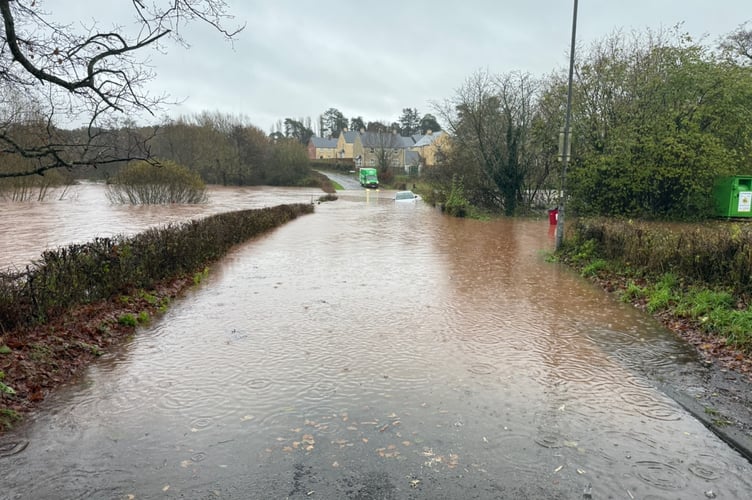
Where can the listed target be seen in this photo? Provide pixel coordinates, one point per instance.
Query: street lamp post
(567, 136)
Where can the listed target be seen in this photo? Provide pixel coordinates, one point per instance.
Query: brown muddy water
(373, 351)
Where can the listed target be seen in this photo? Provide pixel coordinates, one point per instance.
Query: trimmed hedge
(717, 254)
(83, 273)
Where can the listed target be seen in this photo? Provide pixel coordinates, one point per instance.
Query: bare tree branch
(57, 75)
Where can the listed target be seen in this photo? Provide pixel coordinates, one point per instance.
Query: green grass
(148, 297)
(632, 292)
(200, 276)
(127, 319)
(5, 389)
(707, 306)
(594, 267)
(164, 304)
(697, 303)
(4, 349)
(8, 418)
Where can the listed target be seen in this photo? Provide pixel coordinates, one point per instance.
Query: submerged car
(406, 196)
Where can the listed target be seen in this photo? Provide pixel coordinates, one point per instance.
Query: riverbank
(41, 358)
(81, 300)
(718, 391)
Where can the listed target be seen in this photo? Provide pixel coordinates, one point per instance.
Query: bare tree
(738, 44)
(490, 119)
(57, 74)
(384, 148)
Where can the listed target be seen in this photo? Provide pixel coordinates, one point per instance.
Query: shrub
(288, 164)
(140, 183)
(456, 204)
(714, 254)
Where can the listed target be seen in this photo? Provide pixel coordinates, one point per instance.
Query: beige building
(345, 144)
(432, 148)
(372, 149)
(321, 148)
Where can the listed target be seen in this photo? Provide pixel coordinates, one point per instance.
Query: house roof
(427, 140)
(407, 142)
(381, 140)
(350, 136)
(323, 142)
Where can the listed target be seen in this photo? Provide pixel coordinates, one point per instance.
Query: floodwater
(374, 350)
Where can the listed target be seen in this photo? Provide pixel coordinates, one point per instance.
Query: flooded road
(380, 350)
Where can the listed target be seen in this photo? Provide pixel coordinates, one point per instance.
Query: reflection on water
(373, 350)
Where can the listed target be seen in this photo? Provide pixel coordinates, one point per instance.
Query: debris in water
(710, 494)
(588, 493)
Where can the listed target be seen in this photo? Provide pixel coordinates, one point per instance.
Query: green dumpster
(733, 196)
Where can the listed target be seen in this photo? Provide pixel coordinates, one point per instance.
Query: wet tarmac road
(373, 350)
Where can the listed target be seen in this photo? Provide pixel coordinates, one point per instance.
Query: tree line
(657, 116)
(332, 122)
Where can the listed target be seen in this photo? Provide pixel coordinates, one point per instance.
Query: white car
(406, 196)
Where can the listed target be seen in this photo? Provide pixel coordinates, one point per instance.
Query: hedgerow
(83, 273)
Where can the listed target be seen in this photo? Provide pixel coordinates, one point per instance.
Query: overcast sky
(298, 58)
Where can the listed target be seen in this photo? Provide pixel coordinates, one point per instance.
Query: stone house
(321, 148)
(431, 147)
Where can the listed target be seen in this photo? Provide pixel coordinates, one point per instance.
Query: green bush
(140, 183)
(456, 204)
(699, 272)
(715, 254)
(288, 164)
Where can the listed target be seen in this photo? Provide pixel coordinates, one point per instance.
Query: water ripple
(660, 475)
(12, 448)
(482, 368)
(646, 404)
(708, 467)
(519, 450)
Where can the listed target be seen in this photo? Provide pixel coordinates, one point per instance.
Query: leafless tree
(384, 148)
(490, 119)
(739, 43)
(53, 75)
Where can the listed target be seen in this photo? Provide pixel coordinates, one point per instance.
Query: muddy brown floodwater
(379, 350)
